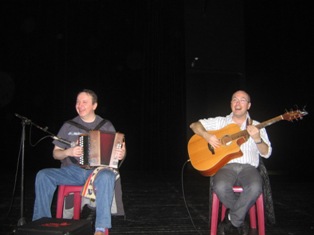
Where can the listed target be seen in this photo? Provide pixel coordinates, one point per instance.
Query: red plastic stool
(256, 209)
(64, 191)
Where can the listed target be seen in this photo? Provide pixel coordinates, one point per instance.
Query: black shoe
(225, 227)
(89, 213)
(243, 229)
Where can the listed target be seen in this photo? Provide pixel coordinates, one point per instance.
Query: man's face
(84, 105)
(240, 103)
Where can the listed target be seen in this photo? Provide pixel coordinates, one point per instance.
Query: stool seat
(64, 191)
(256, 210)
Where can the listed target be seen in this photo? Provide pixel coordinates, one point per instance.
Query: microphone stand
(26, 121)
(22, 219)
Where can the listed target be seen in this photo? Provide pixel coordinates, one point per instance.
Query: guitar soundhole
(211, 148)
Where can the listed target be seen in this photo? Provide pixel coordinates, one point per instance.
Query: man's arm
(60, 153)
(121, 152)
(255, 134)
(199, 129)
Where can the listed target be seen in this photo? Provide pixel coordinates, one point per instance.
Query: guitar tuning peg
(304, 109)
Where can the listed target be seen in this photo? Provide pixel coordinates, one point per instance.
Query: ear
(95, 106)
(249, 106)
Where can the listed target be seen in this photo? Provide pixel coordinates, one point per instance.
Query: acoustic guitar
(208, 160)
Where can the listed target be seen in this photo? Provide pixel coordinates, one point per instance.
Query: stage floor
(158, 202)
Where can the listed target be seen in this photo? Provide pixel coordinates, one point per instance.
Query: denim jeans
(48, 179)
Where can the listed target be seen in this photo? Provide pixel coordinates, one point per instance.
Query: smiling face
(240, 104)
(85, 106)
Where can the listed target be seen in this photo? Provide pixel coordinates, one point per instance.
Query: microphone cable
(184, 199)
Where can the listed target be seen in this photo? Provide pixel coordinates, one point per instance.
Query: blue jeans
(48, 179)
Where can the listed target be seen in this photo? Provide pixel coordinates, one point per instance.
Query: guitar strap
(249, 121)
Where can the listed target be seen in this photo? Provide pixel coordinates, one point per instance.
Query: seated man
(71, 172)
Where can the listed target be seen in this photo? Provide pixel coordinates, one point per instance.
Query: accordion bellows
(99, 148)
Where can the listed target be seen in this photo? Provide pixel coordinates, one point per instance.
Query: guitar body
(207, 162)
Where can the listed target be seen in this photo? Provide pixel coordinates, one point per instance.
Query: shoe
(92, 215)
(102, 233)
(225, 227)
(89, 213)
(99, 233)
(243, 229)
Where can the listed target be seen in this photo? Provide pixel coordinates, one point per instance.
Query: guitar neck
(261, 125)
(269, 122)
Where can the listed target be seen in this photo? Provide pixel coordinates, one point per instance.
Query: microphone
(72, 144)
(25, 119)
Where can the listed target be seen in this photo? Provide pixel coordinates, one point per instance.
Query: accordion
(99, 148)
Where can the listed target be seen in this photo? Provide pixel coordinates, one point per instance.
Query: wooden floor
(176, 203)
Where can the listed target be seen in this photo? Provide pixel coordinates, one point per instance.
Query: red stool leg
(253, 217)
(214, 215)
(60, 201)
(260, 214)
(223, 211)
(77, 206)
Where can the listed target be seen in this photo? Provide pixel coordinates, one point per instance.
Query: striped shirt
(249, 149)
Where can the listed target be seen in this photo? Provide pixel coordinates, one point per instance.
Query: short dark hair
(92, 94)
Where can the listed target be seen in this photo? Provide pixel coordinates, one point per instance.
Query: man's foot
(101, 232)
(225, 227)
(243, 229)
(89, 213)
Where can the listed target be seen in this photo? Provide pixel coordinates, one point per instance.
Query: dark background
(156, 66)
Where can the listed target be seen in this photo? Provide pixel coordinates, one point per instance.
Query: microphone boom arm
(29, 122)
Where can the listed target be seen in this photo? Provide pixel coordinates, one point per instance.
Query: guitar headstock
(294, 115)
